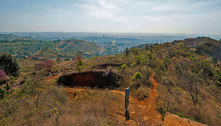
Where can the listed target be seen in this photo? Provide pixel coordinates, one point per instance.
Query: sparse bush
(141, 93)
(145, 76)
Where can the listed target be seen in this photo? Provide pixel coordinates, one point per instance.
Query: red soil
(142, 113)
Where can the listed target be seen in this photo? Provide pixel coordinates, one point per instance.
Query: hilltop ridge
(204, 45)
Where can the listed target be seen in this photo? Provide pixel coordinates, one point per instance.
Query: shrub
(123, 67)
(2, 77)
(137, 76)
(9, 64)
(48, 64)
(141, 93)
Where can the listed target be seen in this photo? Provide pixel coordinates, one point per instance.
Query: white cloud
(101, 9)
(196, 16)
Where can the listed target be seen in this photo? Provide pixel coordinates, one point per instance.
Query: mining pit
(93, 79)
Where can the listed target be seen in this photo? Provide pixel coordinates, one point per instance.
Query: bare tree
(194, 92)
(190, 82)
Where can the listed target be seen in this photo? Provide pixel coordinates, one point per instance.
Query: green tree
(9, 64)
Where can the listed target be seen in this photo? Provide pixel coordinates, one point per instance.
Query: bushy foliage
(137, 76)
(9, 64)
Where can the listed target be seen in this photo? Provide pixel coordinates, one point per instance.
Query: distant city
(110, 43)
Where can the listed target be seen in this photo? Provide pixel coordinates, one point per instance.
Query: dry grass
(88, 108)
(180, 103)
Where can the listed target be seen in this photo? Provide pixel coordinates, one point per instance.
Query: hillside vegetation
(205, 46)
(74, 45)
(20, 46)
(172, 77)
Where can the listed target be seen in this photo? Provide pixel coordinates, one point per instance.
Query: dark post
(127, 116)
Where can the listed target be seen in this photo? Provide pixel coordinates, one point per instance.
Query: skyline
(123, 16)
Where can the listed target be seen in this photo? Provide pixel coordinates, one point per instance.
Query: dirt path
(153, 117)
(142, 113)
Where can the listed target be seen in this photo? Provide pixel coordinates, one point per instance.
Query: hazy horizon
(116, 16)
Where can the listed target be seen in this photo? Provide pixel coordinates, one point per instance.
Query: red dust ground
(142, 113)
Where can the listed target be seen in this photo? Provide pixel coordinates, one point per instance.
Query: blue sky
(152, 16)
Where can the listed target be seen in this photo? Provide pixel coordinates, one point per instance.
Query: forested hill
(73, 45)
(204, 46)
(20, 46)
